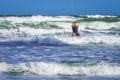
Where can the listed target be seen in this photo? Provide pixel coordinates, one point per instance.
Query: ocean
(42, 48)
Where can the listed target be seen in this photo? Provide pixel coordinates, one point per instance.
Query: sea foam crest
(99, 16)
(38, 18)
(53, 69)
(102, 39)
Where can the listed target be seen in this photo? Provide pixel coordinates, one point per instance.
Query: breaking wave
(65, 41)
(54, 69)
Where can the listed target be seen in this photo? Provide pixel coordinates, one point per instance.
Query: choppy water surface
(41, 47)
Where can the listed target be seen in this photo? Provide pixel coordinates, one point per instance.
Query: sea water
(41, 48)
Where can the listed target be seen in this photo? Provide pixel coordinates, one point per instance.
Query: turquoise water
(41, 48)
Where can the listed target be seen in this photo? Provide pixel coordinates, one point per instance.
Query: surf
(55, 69)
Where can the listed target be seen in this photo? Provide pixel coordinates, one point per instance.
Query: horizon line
(56, 15)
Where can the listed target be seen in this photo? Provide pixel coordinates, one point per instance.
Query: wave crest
(41, 68)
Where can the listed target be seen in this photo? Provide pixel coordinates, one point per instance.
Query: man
(75, 29)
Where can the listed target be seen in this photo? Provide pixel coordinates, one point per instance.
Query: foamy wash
(41, 47)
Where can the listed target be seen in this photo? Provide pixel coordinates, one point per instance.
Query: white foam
(57, 40)
(99, 25)
(38, 18)
(51, 18)
(51, 38)
(99, 16)
(58, 19)
(31, 31)
(41, 68)
(4, 67)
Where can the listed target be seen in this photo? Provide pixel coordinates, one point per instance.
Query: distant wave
(46, 22)
(99, 16)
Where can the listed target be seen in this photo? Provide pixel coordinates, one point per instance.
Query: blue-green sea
(42, 48)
